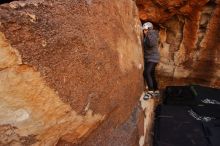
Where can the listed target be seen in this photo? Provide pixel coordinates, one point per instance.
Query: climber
(151, 59)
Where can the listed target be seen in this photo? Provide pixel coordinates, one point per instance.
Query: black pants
(149, 75)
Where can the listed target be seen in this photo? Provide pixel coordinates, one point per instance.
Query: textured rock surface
(189, 32)
(30, 111)
(127, 133)
(136, 130)
(65, 67)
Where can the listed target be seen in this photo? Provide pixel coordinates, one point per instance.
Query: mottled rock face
(65, 67)
(189, 35)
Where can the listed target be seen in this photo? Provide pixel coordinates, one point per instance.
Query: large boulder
(65, 67)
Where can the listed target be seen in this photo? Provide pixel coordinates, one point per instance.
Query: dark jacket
(151, 53)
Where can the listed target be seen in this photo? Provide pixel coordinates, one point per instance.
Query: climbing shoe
(148, 95)
(156, 93)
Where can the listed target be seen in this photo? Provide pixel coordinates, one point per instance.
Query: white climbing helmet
(147, 25)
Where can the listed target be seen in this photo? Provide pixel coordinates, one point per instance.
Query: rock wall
(189, 35)
(65, 67)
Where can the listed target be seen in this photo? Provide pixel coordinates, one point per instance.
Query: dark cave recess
(5, 1)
